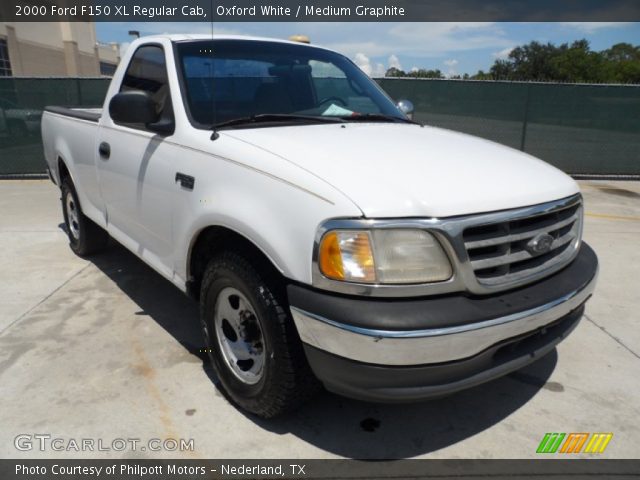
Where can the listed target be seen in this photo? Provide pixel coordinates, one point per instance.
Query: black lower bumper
(378, 383)
(411, 349)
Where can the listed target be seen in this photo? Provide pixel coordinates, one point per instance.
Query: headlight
(383, 256)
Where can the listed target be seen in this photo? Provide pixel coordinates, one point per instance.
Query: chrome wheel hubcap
(239, 335)
(72, 216)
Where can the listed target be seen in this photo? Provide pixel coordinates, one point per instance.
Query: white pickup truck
(329, 238)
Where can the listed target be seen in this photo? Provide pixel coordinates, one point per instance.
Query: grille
(498, 252)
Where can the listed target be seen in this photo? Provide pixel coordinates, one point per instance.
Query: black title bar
(298, 469)
(320, 10)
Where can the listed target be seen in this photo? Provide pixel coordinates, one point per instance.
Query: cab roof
(186, 37)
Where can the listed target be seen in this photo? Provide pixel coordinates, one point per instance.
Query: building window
(5, 63)
(107, 69)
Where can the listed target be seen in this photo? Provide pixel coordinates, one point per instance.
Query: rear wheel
(251, 339)
(85, 237)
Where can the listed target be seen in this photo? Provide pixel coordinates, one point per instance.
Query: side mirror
(133, 107)
(406, 107)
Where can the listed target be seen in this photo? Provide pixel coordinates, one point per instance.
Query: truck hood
(403, 170)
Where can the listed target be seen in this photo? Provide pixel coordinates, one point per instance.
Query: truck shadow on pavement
(335, 424)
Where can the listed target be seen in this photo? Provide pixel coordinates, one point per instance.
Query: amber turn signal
(348, 256)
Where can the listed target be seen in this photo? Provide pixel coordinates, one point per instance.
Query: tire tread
(93, 238)
(296, 383)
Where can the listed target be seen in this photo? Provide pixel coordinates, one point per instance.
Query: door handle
(104, 150)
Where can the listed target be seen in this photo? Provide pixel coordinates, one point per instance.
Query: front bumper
(383, 349)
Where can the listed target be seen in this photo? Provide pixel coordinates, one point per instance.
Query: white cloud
(377, 41)
(502, 54)
(378, 70)
(432, 39)
(423, 44)
(394, 62)
(362, 61)
(451, 63)
(590, 27)
(422, 40)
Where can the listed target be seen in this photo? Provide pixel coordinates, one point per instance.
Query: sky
(454, 48)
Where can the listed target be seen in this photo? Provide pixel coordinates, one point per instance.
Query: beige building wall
(55, 49)
(109, 52)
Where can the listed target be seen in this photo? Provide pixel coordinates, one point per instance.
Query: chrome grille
(498, 251)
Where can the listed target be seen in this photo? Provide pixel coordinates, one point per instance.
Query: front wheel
(251, 339)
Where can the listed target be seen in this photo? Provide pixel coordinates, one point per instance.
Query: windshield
(230, 79)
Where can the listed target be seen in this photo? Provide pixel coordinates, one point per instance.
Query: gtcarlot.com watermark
(43, 442)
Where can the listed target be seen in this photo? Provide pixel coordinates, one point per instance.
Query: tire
(251, 339)
(85, 237)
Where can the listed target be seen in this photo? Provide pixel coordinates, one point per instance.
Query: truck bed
(90, 114)
(69, 135)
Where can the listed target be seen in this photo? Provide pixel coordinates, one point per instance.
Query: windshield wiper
(377, 117)
(272, 117)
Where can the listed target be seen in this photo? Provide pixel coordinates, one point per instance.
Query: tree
(532, 62)
(623, 63)
(395, 72)
(502, 70)
(571, 63)
(419, 73)
(423, 73)
(574, 62)
(622, 52)
(481, 75)
(577, 63)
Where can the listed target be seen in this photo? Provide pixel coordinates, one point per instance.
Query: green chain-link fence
(582, 129)
(21, 104)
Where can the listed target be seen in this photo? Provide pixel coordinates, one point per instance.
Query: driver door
(134, 167)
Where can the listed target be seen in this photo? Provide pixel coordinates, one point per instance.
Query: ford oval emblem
(539, 244)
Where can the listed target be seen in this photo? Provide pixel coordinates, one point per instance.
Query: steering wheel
(335, 99)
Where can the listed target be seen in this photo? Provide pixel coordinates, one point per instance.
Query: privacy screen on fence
(21, 103)
(582, 129)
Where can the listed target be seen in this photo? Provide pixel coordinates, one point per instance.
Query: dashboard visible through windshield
(225, 80)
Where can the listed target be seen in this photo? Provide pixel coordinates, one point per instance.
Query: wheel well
(63, 171)
(214, 240)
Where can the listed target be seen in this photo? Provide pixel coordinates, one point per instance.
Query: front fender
(280, 219)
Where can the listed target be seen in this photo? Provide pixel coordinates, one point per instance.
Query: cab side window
(147, 72)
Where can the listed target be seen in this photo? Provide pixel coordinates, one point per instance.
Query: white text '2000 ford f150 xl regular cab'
(329, 238)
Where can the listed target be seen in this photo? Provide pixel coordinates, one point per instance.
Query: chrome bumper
(428, 346)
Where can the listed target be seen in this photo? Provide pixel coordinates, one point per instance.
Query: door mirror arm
(162, 127)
